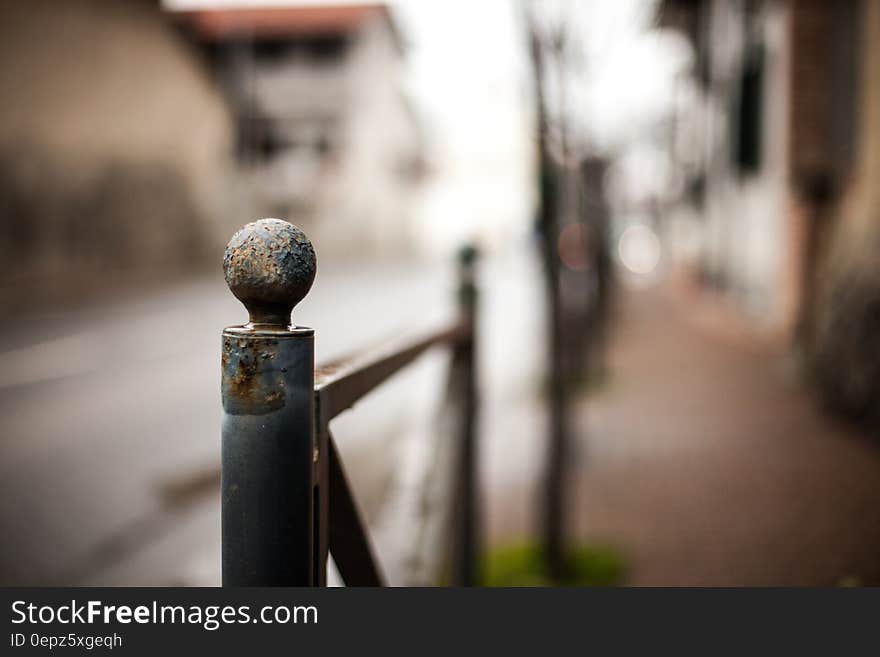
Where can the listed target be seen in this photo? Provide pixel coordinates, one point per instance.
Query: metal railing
(286, 500)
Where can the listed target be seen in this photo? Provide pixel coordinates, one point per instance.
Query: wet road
(110, 442)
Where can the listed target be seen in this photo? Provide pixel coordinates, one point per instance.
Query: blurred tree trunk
(552, 507)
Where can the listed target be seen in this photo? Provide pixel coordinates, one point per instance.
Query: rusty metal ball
(269, 266)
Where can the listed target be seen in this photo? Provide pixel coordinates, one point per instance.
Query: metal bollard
(466, 543)
(269, 450)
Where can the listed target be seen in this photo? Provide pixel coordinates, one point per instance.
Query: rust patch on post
(251, 383)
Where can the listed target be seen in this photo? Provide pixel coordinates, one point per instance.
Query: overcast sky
(465, 57)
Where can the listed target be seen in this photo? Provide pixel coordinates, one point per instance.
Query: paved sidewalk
(705, 462)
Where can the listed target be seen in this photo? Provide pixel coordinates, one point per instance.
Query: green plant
(522, 565)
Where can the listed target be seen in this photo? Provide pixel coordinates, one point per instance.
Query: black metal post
(269, 448)
(465, 557)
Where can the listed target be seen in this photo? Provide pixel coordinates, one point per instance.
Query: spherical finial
(269, 266)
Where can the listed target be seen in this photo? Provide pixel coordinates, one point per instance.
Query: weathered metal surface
(286, 501)
(267, 387)
(339, 384)
(269, 266)
(267, 459)
(252, 383)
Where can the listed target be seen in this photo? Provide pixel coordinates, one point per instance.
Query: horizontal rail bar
(340, 384)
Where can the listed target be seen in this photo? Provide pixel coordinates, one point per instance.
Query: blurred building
(779, 140)
(112, 140)
(325, 135)
(134, 140)
(731, 136)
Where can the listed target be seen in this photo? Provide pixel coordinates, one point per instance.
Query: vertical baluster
(465, 552)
